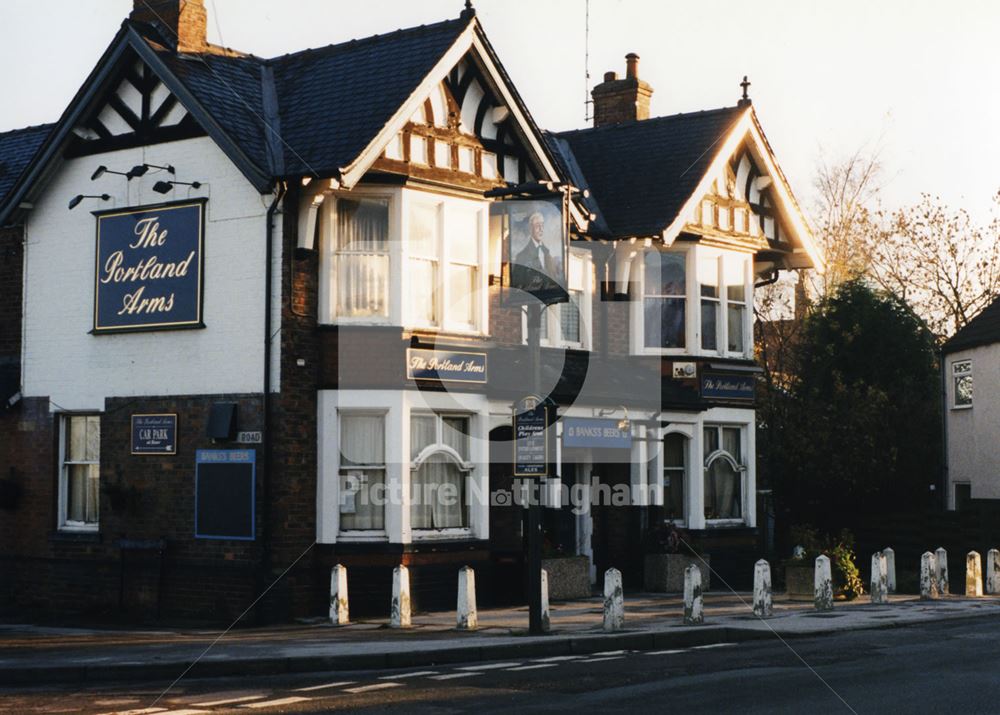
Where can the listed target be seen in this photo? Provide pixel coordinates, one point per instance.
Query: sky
(915, 80)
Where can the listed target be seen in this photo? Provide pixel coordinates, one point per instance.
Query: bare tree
(937, 259)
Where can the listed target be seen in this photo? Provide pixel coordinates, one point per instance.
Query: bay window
(362, 472)
(79, 472)
(695, 300)
(674, 473)
(356, 281)
(724, 469)
(440, 468)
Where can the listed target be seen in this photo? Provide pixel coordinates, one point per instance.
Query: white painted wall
(77, 370)
(973, 449)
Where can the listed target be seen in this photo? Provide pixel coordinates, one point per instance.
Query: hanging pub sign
(531, 449)
(534, 234)
(154, 434)
(149, 269)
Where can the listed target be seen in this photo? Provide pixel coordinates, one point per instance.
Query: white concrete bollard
(762, 602)
(880, 580)
(546, 622)
(399, 612)
(822, 584)
(890, 566)
(339, 613)
(993, 571)
(694, 605)
(614, 601)
(467, 619)
(973, 574)
(928, 577)
(941, 562)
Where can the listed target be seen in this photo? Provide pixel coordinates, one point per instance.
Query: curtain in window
(362, 462)
(569, 317)
(722, 491)
(362, 257)
(736, 310)
(438, 495)
(664, 303)
(455, 434)
(83, 470)
(422, 433)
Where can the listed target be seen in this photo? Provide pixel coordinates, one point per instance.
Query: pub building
(265, 314)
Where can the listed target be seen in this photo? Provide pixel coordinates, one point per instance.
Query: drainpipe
(265, 555)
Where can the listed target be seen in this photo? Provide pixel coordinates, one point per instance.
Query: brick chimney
(622, 100)
(184, 21)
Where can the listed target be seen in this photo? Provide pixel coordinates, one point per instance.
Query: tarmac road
(940, 667)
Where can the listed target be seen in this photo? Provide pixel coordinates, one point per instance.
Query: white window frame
(742, 468)
(447, 208)
(552, 334)
(342, 470)
(960, 369)
(65, 524)
(466, 466)
(659, 465)
(328, 258)
(692, 327)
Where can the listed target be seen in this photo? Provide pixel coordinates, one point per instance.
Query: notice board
(224, 494)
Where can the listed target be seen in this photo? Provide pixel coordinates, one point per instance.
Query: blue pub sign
(149, 270)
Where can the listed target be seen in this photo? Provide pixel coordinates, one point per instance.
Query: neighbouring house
(970, 365)
(266, 323)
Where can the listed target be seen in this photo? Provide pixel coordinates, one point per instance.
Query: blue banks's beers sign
(149, 267)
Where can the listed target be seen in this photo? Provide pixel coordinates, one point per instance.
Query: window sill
(77, 535)
(960, 407)
(441, 534)
(357, 536)
(724, 523)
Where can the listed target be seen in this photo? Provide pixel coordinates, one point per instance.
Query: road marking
(324, 686)
(601, 660)
(556, 658)
(276, 703)
(534, 667)
(712, 645)
(376, 686)
(488, 666)
(452, 676)
(244, 699)
(141, 711)
(666, 652)
(409, 675)
(185, 711)
(611, 652)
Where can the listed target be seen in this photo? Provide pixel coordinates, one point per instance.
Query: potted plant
(800, 568)
(568, 574)
(669, 550)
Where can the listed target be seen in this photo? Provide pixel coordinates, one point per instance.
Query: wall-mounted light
(102, 170)
(75, 201)
(141, 169)
(165, 187)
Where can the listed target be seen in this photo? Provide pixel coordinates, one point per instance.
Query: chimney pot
(610, 76)
(632, 66)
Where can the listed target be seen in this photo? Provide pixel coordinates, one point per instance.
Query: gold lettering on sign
(145, 270)
(134, 303)
(148, 231)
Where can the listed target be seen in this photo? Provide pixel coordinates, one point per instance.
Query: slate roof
(16, 150)
(984, 329)
(641, 173)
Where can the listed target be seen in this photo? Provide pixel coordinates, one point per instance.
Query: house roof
(984, 329)
(666, 158)
(17, 147)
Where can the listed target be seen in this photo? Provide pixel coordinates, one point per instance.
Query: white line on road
(409, 675)
(228, 701)
(535, 667)
(666, 652)
(276, 703)
(488, 666)
(325, 686)
(601, 660)
(556, 658)
(376, 686)
(140, 711)
(712, 645)
(185, 711)
(452, 676)
(611, 652)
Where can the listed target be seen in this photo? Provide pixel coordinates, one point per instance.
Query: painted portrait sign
(148, 274)
(534, 249)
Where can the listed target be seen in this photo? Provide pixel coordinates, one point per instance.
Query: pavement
(37, 655)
